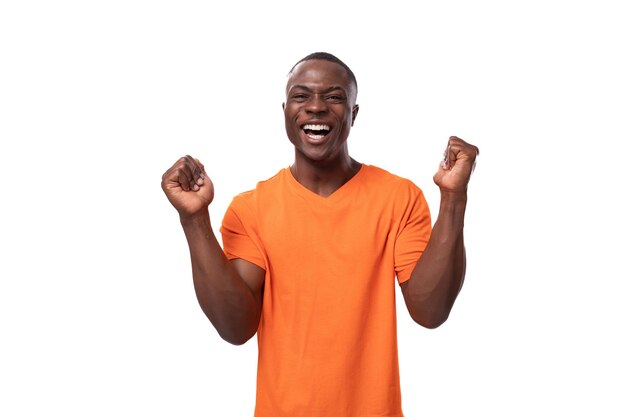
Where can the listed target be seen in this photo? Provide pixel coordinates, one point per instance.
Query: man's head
(320, 106)
(325, 56)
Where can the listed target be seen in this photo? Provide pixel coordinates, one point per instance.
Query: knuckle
(179, 172)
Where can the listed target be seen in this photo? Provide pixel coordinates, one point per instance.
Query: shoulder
(404, 200)
(381, 179)
(263, 190)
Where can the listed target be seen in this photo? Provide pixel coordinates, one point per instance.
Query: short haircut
(325, 56)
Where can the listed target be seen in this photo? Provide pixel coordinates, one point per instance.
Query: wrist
(453, 197)
(196, 219)
(452, 210)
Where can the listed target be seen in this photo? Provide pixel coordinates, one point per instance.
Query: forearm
(438, 276)
(223, 295)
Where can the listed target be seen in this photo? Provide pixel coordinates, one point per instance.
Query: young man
(311, 256)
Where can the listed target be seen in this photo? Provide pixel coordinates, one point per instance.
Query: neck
(324, 178)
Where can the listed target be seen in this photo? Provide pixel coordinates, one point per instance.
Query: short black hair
(325, 56)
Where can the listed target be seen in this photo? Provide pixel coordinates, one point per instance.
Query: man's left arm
(438, 276)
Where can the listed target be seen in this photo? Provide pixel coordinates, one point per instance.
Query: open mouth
(316, 132)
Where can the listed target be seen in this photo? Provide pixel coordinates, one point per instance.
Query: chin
(320, 157)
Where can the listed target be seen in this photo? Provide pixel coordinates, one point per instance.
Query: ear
(355, 111)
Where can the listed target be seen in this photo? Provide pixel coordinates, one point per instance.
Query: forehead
(320, 74)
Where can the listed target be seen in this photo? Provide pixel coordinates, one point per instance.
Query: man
(311, 255)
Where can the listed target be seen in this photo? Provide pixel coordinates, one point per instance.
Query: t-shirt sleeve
(413, 234)
(239, 234)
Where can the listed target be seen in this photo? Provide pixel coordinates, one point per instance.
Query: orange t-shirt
(327, 336)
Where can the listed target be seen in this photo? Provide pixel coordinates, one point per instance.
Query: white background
(97, 99)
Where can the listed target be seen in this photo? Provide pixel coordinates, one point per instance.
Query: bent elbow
(235, 338)
(432, 324)
(431, 321)
(237, 341)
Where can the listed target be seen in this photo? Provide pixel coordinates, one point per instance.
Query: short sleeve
(413, 233)
(239, 234)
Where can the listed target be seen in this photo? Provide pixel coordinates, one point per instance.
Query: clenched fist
(458, 163)
(187, 186)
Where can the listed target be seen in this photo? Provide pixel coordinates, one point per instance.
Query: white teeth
(316, 127)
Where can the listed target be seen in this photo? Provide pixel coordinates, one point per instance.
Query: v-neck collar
(337, 195)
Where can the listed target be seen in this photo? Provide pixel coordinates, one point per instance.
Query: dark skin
(319, 95)
(229, 292)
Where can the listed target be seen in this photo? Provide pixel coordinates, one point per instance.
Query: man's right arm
(229, 292)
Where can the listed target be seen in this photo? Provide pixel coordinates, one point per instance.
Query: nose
(316, 104)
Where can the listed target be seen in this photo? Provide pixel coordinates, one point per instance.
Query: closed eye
(335, 98)
(299, 97)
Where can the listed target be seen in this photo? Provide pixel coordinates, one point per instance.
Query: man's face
(320, 110)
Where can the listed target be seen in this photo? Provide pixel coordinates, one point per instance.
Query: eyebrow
(328, 90)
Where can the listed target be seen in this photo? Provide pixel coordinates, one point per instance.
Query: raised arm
(229, 292)
(438, 276)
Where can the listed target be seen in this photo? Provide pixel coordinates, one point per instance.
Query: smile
(316, 132)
